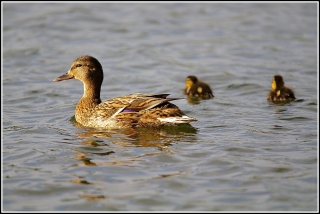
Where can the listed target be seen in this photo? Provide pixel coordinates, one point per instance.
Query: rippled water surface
(244, 154)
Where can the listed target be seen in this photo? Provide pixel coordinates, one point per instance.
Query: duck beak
(66, 76)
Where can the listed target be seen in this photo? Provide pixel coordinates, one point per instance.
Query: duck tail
(178, 120)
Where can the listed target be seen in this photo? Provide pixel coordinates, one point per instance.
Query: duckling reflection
(195, 100)
(92, 197)
(196, 88)
(279, 91)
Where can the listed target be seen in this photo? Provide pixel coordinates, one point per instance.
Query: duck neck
(91, 96)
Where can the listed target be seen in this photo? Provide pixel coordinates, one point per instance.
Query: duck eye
(78, 65)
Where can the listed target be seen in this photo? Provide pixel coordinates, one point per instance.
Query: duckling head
(191, 80)
(277, 82)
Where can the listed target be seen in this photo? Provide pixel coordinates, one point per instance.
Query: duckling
(128, 111)
(280, 92)
(197, 88)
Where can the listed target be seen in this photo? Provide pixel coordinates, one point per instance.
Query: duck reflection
(103, 142)
(122, 150)
(139, 137)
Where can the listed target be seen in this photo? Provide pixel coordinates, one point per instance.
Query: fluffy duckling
(280, 92)
(197, 88)
(133, 110)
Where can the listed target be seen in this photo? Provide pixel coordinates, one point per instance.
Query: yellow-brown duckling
(279, 91)
(197, 88)
(133, 110)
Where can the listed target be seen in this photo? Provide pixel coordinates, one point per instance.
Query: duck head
(87, 69)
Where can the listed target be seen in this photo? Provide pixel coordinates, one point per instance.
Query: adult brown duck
(133, 110)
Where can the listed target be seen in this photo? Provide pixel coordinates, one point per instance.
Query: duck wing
(144, 103)
(133, 103)
(140, 110)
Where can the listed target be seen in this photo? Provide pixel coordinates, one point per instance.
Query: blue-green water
(244, 154)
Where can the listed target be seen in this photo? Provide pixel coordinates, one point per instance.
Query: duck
(196, 88)
(127, 111)
(279, 91)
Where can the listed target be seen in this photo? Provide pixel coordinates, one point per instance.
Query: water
(244, 154)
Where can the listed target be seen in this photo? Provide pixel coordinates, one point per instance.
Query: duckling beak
(274, 84)
(66, 76)
(189, 83)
